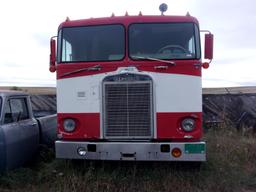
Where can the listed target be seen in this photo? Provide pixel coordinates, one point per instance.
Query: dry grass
(33, 90)
(52, 90)
(230, 90)
(230, 167)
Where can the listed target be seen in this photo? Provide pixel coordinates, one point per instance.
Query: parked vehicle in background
(129, 88)
(20, 132)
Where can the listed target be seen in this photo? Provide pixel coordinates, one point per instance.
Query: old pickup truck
(21, 133)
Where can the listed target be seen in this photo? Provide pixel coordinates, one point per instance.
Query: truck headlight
(188, 124)
(69, 125)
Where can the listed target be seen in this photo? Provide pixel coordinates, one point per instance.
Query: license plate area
(194, 148)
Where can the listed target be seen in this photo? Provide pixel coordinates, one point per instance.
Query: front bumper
(130, 151)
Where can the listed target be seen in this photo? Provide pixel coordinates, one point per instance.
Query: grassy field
(230, 166)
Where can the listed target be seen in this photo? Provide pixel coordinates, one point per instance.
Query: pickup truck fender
(48, 129)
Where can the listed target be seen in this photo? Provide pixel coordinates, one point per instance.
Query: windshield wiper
(154, 59)
(93, 68)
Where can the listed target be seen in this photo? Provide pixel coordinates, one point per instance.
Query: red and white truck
(130, 88)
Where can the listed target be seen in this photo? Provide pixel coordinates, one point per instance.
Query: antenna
(163, 7)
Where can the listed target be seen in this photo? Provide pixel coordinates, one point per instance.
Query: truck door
(21, 132)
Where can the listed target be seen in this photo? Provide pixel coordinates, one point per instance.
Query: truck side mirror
(208, 50)
(53, 55)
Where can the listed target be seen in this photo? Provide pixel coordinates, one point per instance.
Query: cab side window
(8, 114)
(15, 110)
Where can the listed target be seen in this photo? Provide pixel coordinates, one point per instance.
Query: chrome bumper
(130, 151)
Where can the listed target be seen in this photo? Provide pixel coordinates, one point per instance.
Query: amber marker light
(176, 152)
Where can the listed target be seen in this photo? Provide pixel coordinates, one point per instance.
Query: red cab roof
(126, 20)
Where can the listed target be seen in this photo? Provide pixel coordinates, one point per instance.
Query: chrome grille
(127, 107)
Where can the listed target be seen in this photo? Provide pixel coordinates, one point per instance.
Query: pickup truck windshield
(92, 43)
(164, 41)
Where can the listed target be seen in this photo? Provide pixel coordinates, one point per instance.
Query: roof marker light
(126, 13)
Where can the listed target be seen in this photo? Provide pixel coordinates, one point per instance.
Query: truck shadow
(135, 165)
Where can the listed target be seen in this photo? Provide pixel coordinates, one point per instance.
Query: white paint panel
(172, 92)
(177, 93)
(79, 94)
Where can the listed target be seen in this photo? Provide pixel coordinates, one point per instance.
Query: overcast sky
(27, 26)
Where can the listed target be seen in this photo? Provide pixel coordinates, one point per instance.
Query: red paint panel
(88, 126)
(185, 67)
(168, 126)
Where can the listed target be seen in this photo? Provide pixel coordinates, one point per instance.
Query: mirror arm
(205, 31)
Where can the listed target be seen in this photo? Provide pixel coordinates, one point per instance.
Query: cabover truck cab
(130, 88)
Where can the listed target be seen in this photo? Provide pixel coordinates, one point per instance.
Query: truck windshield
(92, 43)
(164, 41)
